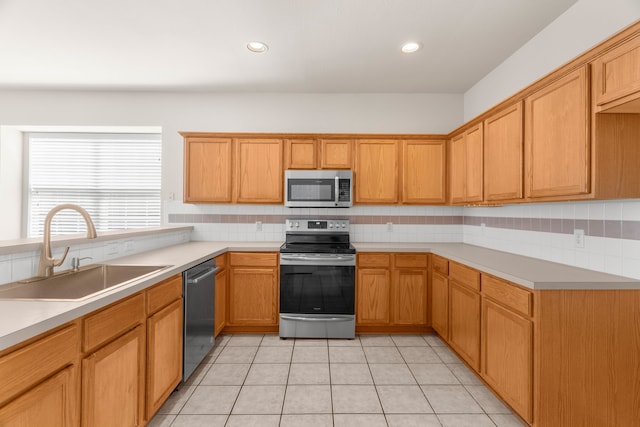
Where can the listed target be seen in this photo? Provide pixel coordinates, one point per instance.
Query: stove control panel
(317, 225)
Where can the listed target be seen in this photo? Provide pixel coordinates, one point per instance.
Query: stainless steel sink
(77, 285)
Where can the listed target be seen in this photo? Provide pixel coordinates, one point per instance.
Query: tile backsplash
(22, 265)
(544, 230)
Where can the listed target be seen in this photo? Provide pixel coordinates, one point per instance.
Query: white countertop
(529, 272)
(21, 320)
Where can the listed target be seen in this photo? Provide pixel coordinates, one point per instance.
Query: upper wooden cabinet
(503, 149)
(465, 167)
(557, 138)
(259, 171)
(300, 154)
(318, 154)
(423, 172)
(617, 79)
(336, 153)
(208, 167)
(376, 171)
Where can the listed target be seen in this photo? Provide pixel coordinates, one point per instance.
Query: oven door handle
(316, 319)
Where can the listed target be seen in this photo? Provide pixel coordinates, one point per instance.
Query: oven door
(322, 288)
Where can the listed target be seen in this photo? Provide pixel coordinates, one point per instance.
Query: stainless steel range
(317, 280)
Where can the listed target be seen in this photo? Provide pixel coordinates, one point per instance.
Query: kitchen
(374, 113)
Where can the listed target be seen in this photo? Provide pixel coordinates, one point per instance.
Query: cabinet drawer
(374, 260)
(465, 275)
(221, 261)
(510, 295)
(411, 260)
(112, 321)
(29, 365)
(441, 265)
(254, 259)
(163, 294)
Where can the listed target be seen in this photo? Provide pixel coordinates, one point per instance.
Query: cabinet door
(377, 171)
(473, 139)
(458, 169)
(253, 296)
(208, 170)
(464, 326)
(617, 78)
(221, 302)
(440, 304)
(410, 297)
(164, 355)
(466, 166)
(300, 154)
(373, 292)
(113, 383)
(423, 172)
(259, 176)
(51, 403)
(507, 356)
(503, 147)
(336, 153)
(557, 147)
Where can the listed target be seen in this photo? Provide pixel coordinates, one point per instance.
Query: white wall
(174, 112)
(582, 26)
(11, 183)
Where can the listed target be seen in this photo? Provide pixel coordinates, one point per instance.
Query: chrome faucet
(47, 261)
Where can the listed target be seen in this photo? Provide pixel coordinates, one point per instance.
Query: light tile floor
(374, 380)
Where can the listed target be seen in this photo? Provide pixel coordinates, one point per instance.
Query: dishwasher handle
(202, 276)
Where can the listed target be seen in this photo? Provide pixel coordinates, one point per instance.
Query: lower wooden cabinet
(113, 382)
(507, 356)
(39, 383)
(440, 304)
(48, 404)
(222, 285)
(253, 289)
(391, 291)
(464, 326)
(164, 355)
(373, 291)
(410, 293)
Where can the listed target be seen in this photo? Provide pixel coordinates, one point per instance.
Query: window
(115, 177)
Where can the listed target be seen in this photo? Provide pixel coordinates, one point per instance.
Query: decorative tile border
(280, 219)
(596, 228)
(592, 227)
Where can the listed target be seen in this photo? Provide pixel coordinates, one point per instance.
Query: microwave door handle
(337, 190)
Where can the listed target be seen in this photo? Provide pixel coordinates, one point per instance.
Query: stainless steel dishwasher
(199, 284)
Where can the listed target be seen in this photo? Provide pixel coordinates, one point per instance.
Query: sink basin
(77, 285)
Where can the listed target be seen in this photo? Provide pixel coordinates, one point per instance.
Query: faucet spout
(47, 261)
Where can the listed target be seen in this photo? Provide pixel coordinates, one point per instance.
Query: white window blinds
(115, 177)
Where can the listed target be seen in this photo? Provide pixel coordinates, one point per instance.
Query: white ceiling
(314, 45)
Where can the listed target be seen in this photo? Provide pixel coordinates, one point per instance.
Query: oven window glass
(317, 289)
(311, 189)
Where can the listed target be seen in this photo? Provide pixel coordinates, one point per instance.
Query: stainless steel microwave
(318, 188)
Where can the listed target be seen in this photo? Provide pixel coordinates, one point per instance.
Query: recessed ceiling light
(411, 47)
(257, 47)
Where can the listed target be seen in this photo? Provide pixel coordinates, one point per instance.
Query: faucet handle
(58, 262)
